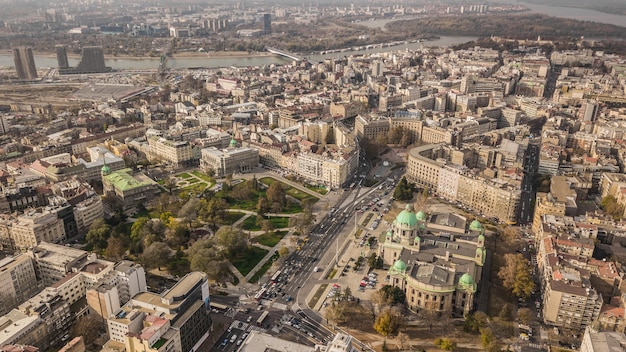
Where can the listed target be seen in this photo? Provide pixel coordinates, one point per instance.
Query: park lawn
(184, 175)
(144, 213)
(250, 224)
(247, 259)
(321, 190)
(279, 222)
(296, 193)
(269, 239)
(263, 269)
(204, 177)
(231, 217)
(301, 196)
(196, 188)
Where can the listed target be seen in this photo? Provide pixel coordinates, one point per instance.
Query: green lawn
(321, 190)
(246, 260)
(232, 217)
(203, 176)
(270, 239)
(278, 223)
(250, 224)
(367, 219)
(291, 191)
(318, 295)
(184, 175)
(263, 269)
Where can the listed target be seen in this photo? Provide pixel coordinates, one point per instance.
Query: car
(225, 342)
(249, 319)
(239, 342)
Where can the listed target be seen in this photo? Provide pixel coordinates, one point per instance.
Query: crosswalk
(231, 312)
(245, 326)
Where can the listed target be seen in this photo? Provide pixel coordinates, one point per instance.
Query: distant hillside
(521, 26)
(616, 7)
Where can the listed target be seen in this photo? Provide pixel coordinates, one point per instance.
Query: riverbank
(180, 55)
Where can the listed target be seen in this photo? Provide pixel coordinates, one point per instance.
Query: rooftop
(123, 180)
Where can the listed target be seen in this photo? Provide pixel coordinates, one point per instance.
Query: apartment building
(177, 320)
(36, 226)
(545, 204)
(594, 341)
(367, 128)
(55, 313)
(570, 301)
(428, 167)
(18, 281)
(176, 153)
(22, 329)
(87, 212)
(53, 262)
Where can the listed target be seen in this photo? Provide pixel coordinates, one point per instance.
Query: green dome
(105, 170)
(466, 280)
(421, 216)
(407, 217)
(476, 226)
(399, 266)
(233, 143)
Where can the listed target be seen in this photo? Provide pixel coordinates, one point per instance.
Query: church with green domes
(436, 259)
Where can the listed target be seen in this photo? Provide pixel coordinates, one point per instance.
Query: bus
(218, 306)
(261, 319)
(275, 276)
(259, 295)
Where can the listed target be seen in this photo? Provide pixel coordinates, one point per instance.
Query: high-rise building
(62, 57)
(92, 60)
(24, 63)
(267, 23)
(176, 320)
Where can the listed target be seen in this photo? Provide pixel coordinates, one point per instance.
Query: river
(574, 13)
(46, 61)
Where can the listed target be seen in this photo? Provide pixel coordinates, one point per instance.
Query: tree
(445, 344)
(394, 295)
(511, 235)
(115, 248)
(267, 226)
(263, 205)
(283, 251)
(204, 256)
(525, 316)
(335, 313)
(506, 312)
(403, 191)
(189, 211)
(516, 275)
(474, 322)
(486, 337)
(276, 194)
(611, 207)
(98, 234)
(156, 255)
(301, 221)
(403, 341)
(89, 327)
(231, 239)
(169, 183)
(387, 322)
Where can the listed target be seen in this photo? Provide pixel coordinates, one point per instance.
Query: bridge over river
(284, 53)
